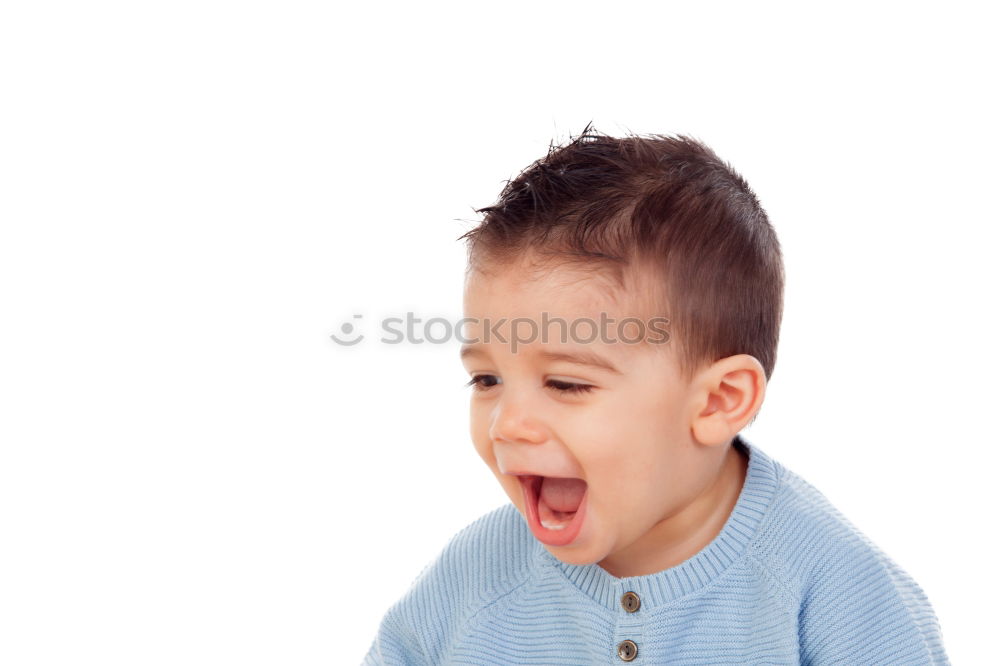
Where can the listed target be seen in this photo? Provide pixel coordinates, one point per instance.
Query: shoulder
(482, 563)
(855, 603)
(489, 556)
(804, 535)
(805, 539)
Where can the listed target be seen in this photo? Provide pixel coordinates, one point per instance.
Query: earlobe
(732, 391)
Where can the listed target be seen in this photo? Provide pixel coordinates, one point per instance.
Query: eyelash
(560, 386)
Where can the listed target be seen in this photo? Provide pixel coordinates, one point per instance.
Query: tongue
(563, 495)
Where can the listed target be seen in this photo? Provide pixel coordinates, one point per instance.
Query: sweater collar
(700, 569)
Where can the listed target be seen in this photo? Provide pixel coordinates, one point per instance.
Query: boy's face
(628, 436)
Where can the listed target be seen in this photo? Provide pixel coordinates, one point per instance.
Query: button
(627, 650)
(630, 602)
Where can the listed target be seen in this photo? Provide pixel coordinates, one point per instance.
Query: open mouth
(555, 507)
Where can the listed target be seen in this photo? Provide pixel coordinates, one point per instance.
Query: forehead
(591, 313)
(531, 286)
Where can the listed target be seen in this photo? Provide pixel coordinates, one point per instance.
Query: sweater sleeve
(394, 645)
(864, 609)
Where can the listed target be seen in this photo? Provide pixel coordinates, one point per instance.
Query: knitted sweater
(788, 580)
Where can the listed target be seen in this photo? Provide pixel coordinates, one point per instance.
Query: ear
(728, 394)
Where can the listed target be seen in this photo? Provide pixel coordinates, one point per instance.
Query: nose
(514, 420)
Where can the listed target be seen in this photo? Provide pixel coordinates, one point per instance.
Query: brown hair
(669, 203)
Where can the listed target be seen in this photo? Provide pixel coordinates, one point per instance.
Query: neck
(682, 535)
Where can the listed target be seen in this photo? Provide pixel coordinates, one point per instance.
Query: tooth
(553, 526)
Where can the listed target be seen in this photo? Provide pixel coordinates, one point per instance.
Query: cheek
(626, 448)
(621, 425)
(479, 430)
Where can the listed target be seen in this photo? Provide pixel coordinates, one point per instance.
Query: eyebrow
(577, 357)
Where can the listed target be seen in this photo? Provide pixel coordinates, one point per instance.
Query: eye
(486, 382)
(483, 382)
(569, 387)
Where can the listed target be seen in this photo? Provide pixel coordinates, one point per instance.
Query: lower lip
(562, 537)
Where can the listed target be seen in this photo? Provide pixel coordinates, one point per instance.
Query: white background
(195, 195)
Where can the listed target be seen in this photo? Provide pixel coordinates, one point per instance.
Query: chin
(573, 556)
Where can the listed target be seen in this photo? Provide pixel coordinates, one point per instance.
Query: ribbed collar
(697, 571)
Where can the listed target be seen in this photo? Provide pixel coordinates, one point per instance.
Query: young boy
(625, 298)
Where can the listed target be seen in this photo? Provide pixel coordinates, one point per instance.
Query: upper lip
(530, 473)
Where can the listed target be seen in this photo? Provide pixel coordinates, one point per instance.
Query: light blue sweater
(788, 580)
